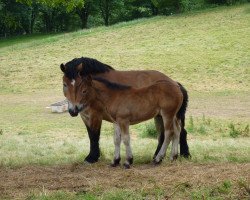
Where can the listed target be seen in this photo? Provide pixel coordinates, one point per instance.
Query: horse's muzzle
(74, 112)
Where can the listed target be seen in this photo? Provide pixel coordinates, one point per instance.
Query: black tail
(184, 150)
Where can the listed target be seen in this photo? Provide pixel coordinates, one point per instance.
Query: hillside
(206, 51)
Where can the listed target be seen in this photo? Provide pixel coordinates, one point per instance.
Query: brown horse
(124, 106)
(137, 79)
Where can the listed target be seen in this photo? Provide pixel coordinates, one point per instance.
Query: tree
(141, 8)
(108, 7)
(13, 18)
(164, 5)
(53, 13)
(84, 11)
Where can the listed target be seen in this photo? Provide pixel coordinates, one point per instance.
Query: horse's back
(136, 78)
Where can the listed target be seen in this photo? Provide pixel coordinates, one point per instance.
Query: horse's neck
(106, 95)
(102, 93)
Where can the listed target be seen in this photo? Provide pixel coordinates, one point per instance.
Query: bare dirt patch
(220, 106)
(18, 183)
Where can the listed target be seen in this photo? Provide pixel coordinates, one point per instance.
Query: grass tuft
(236, 132)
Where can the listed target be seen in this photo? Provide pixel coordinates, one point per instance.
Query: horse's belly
(141, 117)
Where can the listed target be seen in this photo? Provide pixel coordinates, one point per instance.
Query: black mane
(112, 85)
(90, 67)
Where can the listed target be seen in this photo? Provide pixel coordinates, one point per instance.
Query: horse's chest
(85, 116)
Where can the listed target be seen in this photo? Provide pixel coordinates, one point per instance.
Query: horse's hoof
(155, 162)
(126, 166)
(89, 159)
(174, 157)
(116, 162)
(130, 160)
(186, 156)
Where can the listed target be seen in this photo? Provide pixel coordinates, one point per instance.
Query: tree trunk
(105, 10)
(34, 12)
(84, 15)
(154, 10)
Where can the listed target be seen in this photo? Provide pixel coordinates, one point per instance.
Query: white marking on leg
(175, 141)
(167, 138)
(117, 141)
(126, 141)
(73, 82)
(164, 146)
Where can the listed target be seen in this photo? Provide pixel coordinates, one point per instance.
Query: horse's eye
(84, 91)
(64, 85)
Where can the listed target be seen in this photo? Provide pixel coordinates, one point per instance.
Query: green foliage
(69, 4)
(19, 17)
(188, 5)
(233, 132)
(201, 127)
(236, 132)
(149, 131)
(190, 127)
(227, 2)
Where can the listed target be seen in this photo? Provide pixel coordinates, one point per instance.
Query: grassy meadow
(207, 51)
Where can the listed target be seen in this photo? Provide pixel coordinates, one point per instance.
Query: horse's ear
(79, 67)
(63, 67)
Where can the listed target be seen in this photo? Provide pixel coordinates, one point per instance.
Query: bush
(188, 5)
(226, 2)
(235, 132)
(149, 131)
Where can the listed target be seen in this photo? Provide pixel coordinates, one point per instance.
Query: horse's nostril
(73, 113)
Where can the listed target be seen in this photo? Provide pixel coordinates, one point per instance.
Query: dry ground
(18, 183)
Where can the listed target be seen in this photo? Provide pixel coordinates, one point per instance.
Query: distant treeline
(18, 17)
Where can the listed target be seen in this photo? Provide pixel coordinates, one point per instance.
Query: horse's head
(77, 91)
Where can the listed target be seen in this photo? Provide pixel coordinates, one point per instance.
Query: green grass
(223, 190)
(207, 51)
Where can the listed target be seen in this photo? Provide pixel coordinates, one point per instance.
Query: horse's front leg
(94, 137)
(117, 142)
(124, 127)
(93, 126)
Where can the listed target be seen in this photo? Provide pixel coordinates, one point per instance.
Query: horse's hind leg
(175, 140)
(168, 124)
(117, 142)
(160, 130)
